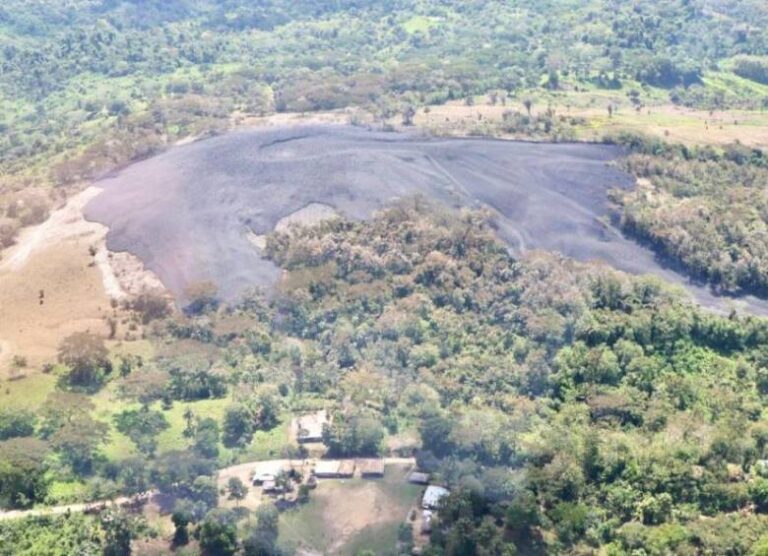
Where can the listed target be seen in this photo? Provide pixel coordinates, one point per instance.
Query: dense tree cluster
(703, 209)
(68, 534)
(568, 407)
(752, 67)
(88, 85)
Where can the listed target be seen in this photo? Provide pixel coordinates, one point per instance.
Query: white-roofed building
(432, 497)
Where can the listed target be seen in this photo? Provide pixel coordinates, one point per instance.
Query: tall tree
(86, 356)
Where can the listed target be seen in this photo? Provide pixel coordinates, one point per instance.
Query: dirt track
(241, 470)
(189, 213)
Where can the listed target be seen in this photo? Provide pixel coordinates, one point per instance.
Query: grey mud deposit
(189, 213)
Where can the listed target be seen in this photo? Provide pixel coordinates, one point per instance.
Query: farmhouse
(371, 468)
(426, 522)
(268, 470)
(334, 469)
(309, 428)
(432, 497)
(271, 487)
(418, 478)
(347, 468)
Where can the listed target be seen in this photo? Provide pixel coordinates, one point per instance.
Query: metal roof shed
(432, 497)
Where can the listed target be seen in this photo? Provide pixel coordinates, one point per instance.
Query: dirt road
(224, 474)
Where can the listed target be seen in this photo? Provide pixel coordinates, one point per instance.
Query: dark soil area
(187, 213)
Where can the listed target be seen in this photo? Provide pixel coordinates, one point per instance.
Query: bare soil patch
(59, 279)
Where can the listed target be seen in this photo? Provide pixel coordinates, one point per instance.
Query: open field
(59, 278)
(345, 516)
(675, 124)
(50, 286)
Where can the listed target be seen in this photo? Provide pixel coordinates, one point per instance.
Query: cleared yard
(344, 516)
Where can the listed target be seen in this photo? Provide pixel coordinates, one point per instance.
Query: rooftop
(310, 427)
(270, 468)
(433, 495)
(418, 478)
(371, 466)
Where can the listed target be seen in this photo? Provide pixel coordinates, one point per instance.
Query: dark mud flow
(188, 212)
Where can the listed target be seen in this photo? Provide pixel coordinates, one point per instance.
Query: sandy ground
(53, 258)
(54, 261)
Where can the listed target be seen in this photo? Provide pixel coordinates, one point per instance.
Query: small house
(271, 487)
(268, 470)
(426, 522)
(432, 497)
(371, 468)
(309, 428)
(327, 469)
(347, 469)
(262, 478)
(418, 478)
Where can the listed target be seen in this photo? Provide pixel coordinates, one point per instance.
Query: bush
(754, 68)
(9, 227)
(16, 423)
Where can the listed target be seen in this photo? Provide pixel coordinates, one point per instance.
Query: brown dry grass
(74, 301)
(669, 122)
(53, 258)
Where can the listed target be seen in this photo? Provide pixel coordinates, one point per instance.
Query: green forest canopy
(567, 406)
(88, 84)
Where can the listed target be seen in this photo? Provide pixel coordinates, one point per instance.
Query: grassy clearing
(420, 24)
(343, 517)
(592, 121)
(379, 538)
(27, 393)
(266, 444)
(731, 84)
(269, 444)
(66, 492)
(120, 446)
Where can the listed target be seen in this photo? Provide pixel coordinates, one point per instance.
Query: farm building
(426, 522)
(432, 497)
(347, 468)
(268, 470)
(417, 478)
(334, 469)
(371, 468)
(271, 487)
(309, 428)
